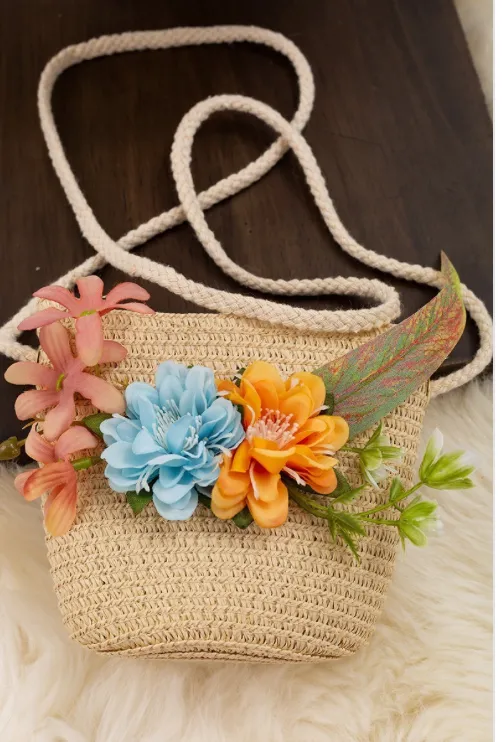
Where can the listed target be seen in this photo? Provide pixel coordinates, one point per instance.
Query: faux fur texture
(425, 677)
(476, 17)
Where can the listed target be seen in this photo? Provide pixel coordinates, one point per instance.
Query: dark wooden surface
(399, 127)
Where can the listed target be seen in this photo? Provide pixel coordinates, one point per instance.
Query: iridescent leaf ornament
(372, 380)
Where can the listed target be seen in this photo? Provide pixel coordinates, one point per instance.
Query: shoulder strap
(192, 207)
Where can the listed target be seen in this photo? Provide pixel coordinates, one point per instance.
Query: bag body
(202, 588)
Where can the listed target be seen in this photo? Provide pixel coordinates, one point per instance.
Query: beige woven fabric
(203, 589)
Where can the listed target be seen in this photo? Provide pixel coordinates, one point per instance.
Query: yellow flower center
(59, 382)
(273, 426)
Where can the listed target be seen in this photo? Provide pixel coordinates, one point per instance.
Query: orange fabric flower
(284, 433)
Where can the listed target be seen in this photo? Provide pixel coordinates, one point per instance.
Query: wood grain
(399, 127)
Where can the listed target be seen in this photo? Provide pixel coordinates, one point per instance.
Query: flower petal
(49, 476)
(29, 404)
(144, 442)
(241, 460)
(126, 290)
(227, 513)
(175, 493)
(90, 289)
(313, 382)
(181, 510)
(55, 341)
(252, 402)
(112, 352)
(21, 479)
(273, 460)
(44, 317)
(76, 438)
(60, 509)
(270, 514)
(221, 503)
(170, 368)
(134, 306)
(120, 455)
(38, 448)
(89, 338)
(176, 434)
(263, 371)
(304, 458)
(103, 395)
(322, 481)
(60, 417)
(232, 484)
(265, 485)
(60, 295)
(137, 395)
(297, 402)
(267, 392)
(340, 434)
(27, 372)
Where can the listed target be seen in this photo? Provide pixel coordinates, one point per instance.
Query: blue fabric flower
(173, 435)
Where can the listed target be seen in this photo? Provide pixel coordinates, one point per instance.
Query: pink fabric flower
(87, 310)
(57, 476)
(61, 382)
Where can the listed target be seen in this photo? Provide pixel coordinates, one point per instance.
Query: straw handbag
(201, 588)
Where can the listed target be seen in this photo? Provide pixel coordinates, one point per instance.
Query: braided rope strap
(192, 207)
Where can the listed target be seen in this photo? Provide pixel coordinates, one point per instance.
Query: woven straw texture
(203, 589)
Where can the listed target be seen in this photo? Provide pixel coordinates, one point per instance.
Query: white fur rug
(425, 677)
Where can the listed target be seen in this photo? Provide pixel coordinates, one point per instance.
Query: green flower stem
(378, 509)
(389, 504)
(86, 462)
(312, 507)
(380, 521)
(409, 492)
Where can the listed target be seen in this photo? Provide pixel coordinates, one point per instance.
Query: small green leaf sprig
(374, 457)
(417, 517)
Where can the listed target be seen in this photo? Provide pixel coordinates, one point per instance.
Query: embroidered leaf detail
(370, 381)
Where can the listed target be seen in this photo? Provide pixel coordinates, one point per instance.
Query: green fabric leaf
(418, 511)
(344, 492)
(396, 490)
(456, 484)
(412, 533)
(375, 437)
(336, 529)
(346, 521)
(204, 499)
(85, 462)
(93, 422)
(138, 500)
(329, 401)
(243, 519)
(10, 449)
(372, 380)
(371, 458)
(349, 541)
(432, 453)
(237, 378)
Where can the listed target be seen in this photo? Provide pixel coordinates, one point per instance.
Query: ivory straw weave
(202, 588)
